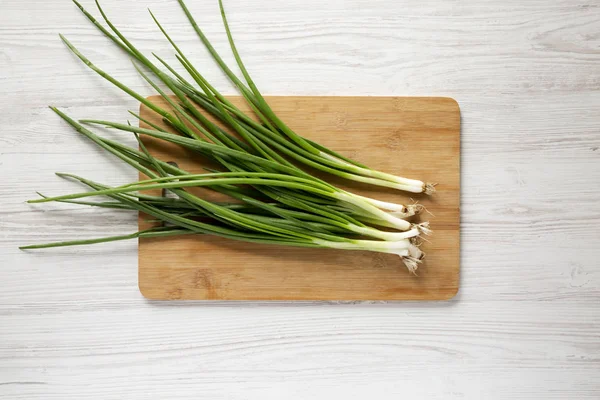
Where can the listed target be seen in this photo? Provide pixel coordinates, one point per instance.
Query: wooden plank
(412, 137)
(525, 323)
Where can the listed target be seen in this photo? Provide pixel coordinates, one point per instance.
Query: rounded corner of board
(451, 294)
(146, 292)
(454, 102)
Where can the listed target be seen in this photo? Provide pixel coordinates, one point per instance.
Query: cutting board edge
(448, 98)
(446, 295)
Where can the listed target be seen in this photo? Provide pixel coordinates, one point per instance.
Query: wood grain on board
(412, 137)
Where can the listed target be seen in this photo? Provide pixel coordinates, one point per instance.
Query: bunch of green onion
(276, 201)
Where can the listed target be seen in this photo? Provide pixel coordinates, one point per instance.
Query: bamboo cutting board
(407, 136)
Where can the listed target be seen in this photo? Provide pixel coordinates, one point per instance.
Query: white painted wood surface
(526, 323)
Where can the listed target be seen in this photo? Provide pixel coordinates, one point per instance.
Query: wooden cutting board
(407, 136)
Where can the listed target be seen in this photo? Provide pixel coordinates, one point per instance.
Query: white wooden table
(526, 323)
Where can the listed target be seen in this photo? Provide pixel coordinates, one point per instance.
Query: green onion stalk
(276, 201)
(294, 229)
(272, 127)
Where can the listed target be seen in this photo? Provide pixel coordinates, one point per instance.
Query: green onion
(274, 200)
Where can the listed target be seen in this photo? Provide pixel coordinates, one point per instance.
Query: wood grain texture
(525, 322)
(411, 137)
